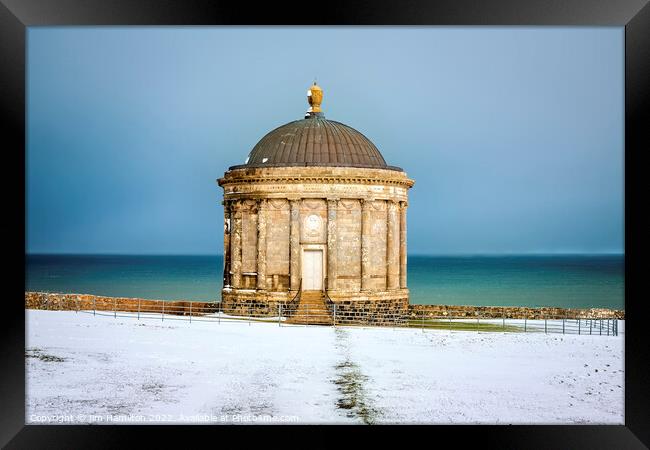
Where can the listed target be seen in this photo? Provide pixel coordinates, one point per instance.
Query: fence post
(163, 311)
(578, 326)
(607, 327)
(279, 314)
(335, 314)
(477, 319)
(190, 312)
(525, 320)
(600, 327)
(219, 312)
(115, 308)
(504, 323)
(138, 309)
(422, 321)
(94, 305)
(545, 328)
(562, 325)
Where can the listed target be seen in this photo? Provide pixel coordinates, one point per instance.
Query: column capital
(236, 205)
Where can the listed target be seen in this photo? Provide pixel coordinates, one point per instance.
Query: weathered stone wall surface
(370, 309)
(378, 245)
(80, 302)
(277, 244)
(513, 312)
(249, 239)
(313, 220)
(348, 218)
(255, 304)
(390, 311)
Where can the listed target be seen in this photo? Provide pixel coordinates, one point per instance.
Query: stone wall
(277, 244)
(348, 231)
(254, 304)
(80, 302)
(376, 254)
(383, 310)
(380, 312)
(513, 312)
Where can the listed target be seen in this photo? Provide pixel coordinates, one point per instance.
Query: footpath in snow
(82, 368)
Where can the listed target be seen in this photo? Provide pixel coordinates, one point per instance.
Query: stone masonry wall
(348, 218)
(80, 302)
(370, 311)
(513, 312)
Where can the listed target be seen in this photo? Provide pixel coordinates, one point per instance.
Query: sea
(570, 281)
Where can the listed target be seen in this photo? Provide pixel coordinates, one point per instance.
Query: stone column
(294, 245)
(332, 254)
(366, 230)
(235, 245)
(392, 246)
(402, 245)
(261, 244)
(226, 244)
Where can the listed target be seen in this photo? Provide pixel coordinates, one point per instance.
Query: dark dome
(315, 141)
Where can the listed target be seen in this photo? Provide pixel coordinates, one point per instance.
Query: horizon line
(529, 253)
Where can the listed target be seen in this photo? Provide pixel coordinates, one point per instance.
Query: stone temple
(315, 214)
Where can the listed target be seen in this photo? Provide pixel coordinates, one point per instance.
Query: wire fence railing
(328, 313)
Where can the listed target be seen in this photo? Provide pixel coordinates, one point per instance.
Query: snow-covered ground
(82, 369)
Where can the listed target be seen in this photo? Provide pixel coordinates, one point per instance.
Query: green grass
(442, 324)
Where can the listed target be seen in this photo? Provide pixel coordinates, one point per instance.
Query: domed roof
(315, 141)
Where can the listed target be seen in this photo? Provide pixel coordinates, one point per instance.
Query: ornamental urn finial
(315, 98)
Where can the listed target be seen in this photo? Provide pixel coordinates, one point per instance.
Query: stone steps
(312, 310)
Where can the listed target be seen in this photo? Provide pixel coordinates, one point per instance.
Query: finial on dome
(314, 98)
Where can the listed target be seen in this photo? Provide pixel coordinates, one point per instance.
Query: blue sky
(514, 135)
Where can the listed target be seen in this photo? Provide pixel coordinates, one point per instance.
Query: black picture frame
(634, 15)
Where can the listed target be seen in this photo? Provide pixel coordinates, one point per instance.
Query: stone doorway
(312, 270)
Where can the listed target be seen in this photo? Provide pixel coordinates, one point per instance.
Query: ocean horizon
(532, 280)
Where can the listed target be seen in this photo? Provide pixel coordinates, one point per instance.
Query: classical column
(402, 245)
(332, 255)
(294, 245)
(235, 244)
(261, 244)
(392, 246)
(226, 244)
(366, 230)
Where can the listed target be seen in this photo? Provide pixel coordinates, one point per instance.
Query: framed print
(420, 214)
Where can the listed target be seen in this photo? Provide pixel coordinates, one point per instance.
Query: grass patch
(350, 384)
(38, 353)
(442, 324)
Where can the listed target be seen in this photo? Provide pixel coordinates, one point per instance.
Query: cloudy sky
(513, 135)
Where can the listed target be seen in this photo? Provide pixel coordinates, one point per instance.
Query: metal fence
(330, 314)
